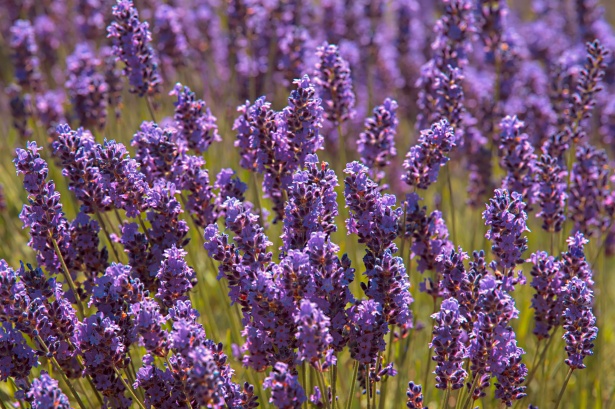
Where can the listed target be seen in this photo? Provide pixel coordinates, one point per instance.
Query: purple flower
(376, 143)
(113, 78)
(579, 322)
(148, 324)
(507, 218)
(44, 393)
(159, 386)
(255, 129)
(460, 284)
(170, 38)
(175, 276)
(132, 45)
(21, 110)
(24, 55)
(415, 396)
(574, 262)
(87, 87)
(286, 392)
(103, 349)
(589, 189)
(424, 160)
(194, 121)
(44, 215)
(389, 285)
(517, 158)
(78, 155)
(311, 206)
(229, 186)
(16, 357)
(429, 236)
(372, 215)
(547, 282)
(588, 85)
(313, 335)
(334, 84)
(509, 372)
(550, 193)
(449, 350)
(332, 278)
(367, 330)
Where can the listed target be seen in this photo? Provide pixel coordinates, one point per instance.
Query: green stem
(150, 108)
(445, 398)
(304, 377)
(128, 388)
(450, 200)
(334, 384)
(68, 278)
(61, 372)
(540, 360)
(385, 384)
(355, 371)
(472, 388)
(323, 387)
(561, 393)
(103, 225)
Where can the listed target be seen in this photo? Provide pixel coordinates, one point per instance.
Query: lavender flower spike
(196, 125)
(24, 50)
(286, 392)
(334, 84)
(415, 396)
(132, 45)
(424, 160)
(376, 143)
(579, 322)
(44, 393)
(448, 348)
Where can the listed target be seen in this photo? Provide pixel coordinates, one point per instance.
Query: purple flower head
(507, 367)
(367, 330)
(24, 52)
(113, 78)
(196, 125)
(120, 176)
(460, 284)
(159, 386)
(78, 155)
(579, 322)
(171, 41)
(148, 324)
(286, 391)
(44, 214)
(204, 378)
(389, 285)
(296, 52)
(13, 296)
(312, 204)
(167, 229)
(255, 129)
(517, 158)
(175, 276)
(372, 215)
(334, 84)
(588, 86)
(547, 282)
(16, 357)
(87, 87)
(157, 151)
(313, 335)
(333, 277)
(424, 160)
(415, 396)
(44, 393)
(507, 218)
(551, 193)
(228, 185)
(21, 110)
(454, 31)
(589, 189)
(574, 262)
(376, 143)
(449, 350)
(132, 46)
(103, 349)
(429, 240)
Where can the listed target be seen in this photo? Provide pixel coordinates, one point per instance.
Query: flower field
(332, 204)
